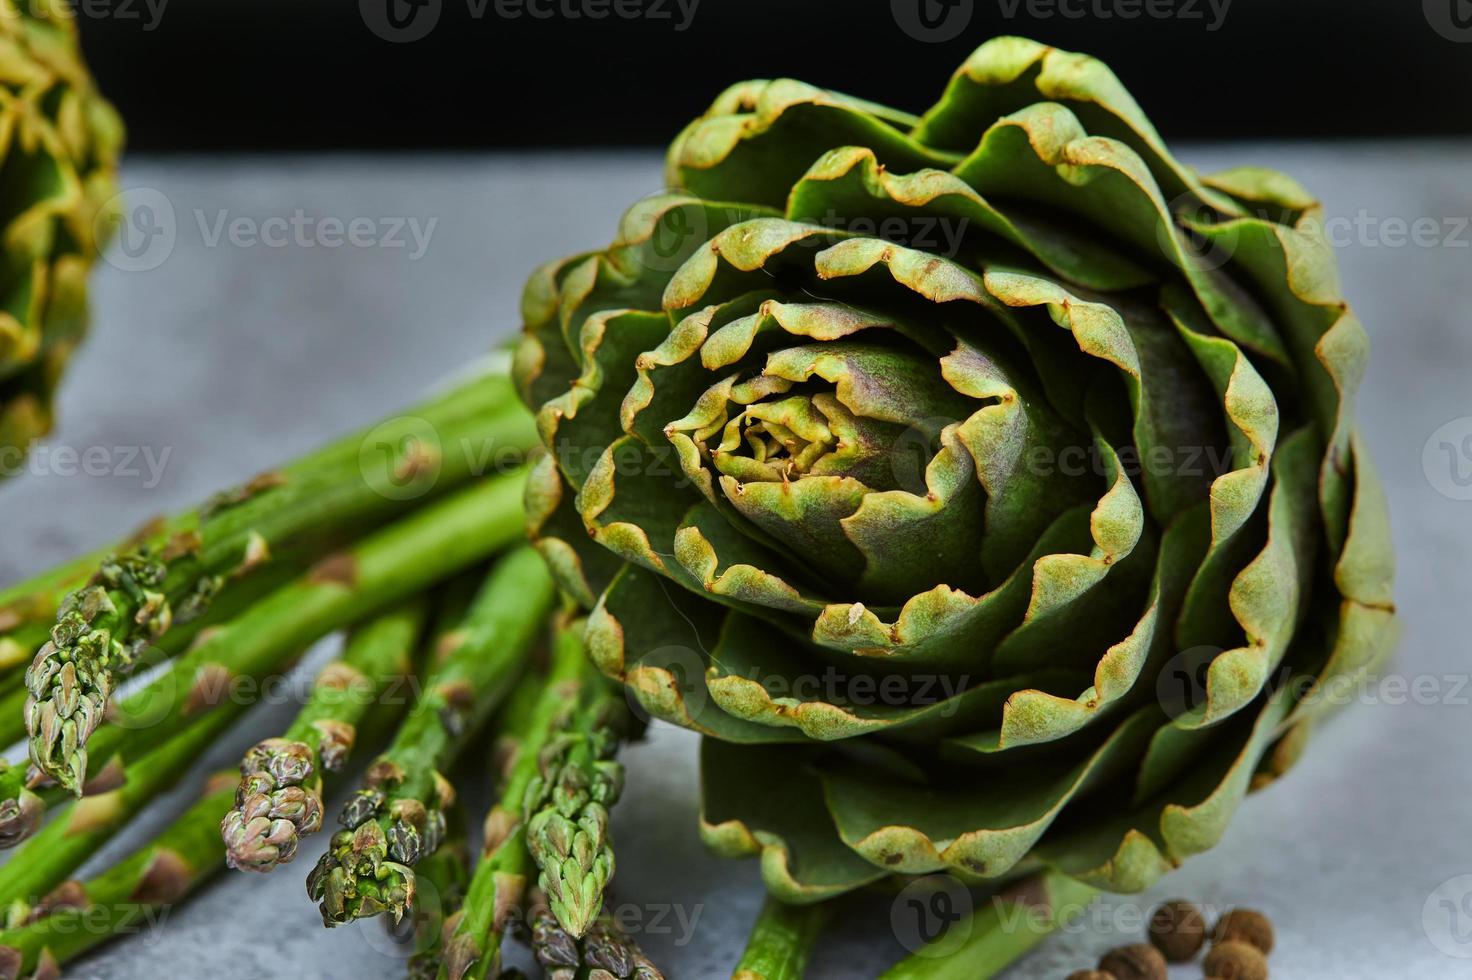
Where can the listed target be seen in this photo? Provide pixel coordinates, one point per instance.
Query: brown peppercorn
(1139, 961)
(1246, 926)
(1236, 960)
(1178, 930)
(1091, 975)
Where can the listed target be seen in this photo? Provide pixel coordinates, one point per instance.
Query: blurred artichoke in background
(983, 485)
(60, 142)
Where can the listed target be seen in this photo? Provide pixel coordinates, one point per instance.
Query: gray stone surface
(231, 357)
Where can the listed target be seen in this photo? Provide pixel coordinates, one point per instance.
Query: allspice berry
(1091, 975)
(1139, 961)
(1246, 926)
(1178, 929)
(1236, 960)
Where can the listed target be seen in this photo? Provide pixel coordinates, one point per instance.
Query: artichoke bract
(983, 484)
(59, 144)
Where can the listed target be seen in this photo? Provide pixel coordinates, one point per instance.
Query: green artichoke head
(983, 485)
(59, 144)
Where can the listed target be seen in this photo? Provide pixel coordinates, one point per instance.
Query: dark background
(261, 75)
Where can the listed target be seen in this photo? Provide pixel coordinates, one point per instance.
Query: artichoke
(59, 144)
(982, 485)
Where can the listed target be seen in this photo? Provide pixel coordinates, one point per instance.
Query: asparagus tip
(278, 803)
(20, 815)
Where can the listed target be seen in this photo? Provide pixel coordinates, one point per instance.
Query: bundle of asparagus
(197, 610)
(146, 653)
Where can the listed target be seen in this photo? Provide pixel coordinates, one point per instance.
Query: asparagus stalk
(279, 800)
(18, 809)
(472, 947)
(440, 883)
(65, 843)
(135, 597)
(389, 565)
(397, 818)
(129, 896)
(781, 941)
(605, 953)
(137, 891)
(567, 802)
(1000, 931)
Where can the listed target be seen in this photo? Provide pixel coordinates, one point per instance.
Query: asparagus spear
(605, 953)
(66, 842)
(387, 566)
(18, 810)
(994, 936)
(77, 916)
(280, 796)
(781, 941)
(128, 896)
(440, 883)
(135, 597)
(472, 942)
(397, 818)
(566, 804)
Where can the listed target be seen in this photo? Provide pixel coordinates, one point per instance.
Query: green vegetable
(999, 931)
(397, 818)
(306, 508)
(127, 897)
(983, 484)
(60, 145)
(385, 567)
(77, 833)
(280, 796)
(781, 941)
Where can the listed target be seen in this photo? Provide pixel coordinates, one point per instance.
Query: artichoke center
(776, 441)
